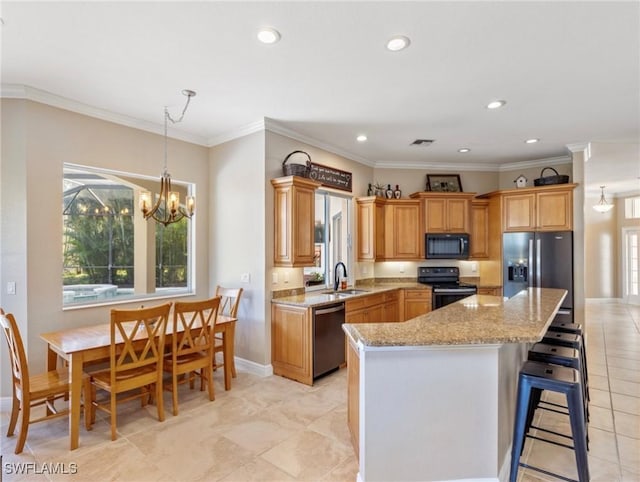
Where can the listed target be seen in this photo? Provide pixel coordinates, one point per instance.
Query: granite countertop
(480, 319)
(311, 299)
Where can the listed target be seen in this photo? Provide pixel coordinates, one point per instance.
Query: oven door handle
(455, 291)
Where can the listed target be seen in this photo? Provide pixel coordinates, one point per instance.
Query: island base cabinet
(291, 350)
(353, 394)
(444, 413)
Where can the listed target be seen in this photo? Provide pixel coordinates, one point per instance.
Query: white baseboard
(253, 367)
(604, 300)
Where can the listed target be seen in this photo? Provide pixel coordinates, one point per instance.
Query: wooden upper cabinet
(519, 212)
(445, 212)
(403, 233)
(294, 219)
(370, 228)
(554, 211)
(546, 208)
(479, 244)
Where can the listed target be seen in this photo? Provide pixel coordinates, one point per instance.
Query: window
(632, 208)
(332, 240)
(103, 258)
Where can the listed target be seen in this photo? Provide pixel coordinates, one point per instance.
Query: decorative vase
(397, 193)
(389, 192)
(370, 191)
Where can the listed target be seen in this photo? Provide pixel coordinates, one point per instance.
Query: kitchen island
(433, 398)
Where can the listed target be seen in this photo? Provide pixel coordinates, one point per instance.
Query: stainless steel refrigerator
(543, 260)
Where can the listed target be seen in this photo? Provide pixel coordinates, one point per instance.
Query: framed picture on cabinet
(444, 183)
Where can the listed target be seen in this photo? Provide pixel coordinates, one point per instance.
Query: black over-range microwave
(446, 246)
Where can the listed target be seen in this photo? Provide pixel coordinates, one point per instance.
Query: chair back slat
(193, 326)
(230, 300)
(17, 355)
(137, 337)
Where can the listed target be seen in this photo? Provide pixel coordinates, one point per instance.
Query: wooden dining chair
(229, 303)
(192, 345)
(135, 362)
(30, 391)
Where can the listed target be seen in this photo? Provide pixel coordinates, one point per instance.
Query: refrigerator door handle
(538, 267)
(530, 281)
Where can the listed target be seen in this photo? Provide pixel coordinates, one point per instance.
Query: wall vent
(423, 142)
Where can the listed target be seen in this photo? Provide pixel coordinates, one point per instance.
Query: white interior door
(631, 265)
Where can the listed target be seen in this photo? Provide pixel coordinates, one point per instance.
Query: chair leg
(24, 426)
(15, 410)
(174, 394)
(207, 372)
(522, 404)
(160, 401)
(112, 407)
(88, 404)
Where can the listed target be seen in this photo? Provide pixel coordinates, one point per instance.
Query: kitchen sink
(342, 293)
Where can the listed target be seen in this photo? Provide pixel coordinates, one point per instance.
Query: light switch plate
(11, 287)
(245, 278)
(274, 278)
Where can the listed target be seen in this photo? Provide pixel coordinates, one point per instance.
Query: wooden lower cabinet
(497, 291)
(416, 302)
(353, 395)
(291, 345)
(376, 308)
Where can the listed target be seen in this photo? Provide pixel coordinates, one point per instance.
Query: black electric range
(445, 284)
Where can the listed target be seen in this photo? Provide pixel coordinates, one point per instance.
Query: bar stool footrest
(537, 469)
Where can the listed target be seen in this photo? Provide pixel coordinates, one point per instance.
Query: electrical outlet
(274, 278)
(245, 278)
(11, 287)
(286, 277)
(474, 267)
(365, 270)
(402, 267)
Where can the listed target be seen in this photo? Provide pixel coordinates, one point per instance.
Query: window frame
(166, 293)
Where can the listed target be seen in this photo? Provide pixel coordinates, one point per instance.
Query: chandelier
(167, 208)
(603, 206)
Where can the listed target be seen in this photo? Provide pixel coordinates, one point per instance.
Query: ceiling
(569, 72)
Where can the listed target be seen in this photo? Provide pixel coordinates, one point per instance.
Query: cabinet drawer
(364, 302)
(391, 296)
(424, 294)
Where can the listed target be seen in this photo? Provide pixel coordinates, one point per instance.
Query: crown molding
(578, 146)
(478, 167)
(277, 128)
(242, 131)
(16, 91)
(515, 166)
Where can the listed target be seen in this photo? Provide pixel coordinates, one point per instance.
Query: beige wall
(237, 240)
(415, 180)
(507, 178)
(36, 140)
(601, 251)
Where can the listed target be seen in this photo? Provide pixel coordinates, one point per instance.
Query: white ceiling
(570, 72)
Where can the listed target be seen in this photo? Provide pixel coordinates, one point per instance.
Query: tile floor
(273, 429)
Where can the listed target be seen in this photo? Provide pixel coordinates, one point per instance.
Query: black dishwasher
(328, 338)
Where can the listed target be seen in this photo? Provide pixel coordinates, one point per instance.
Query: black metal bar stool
(563, 356)
(576, 329)
(534, 378)
(571, 340)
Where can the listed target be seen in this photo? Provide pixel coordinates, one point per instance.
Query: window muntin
(100, 227)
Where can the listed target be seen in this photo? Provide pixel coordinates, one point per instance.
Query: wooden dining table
(85, 344)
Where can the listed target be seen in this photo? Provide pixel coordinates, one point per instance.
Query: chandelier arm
(151, 213)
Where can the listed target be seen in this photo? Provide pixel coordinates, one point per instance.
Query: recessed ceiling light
(399, 42)
(268, 35)
(496, 104)
(361, 138)
(464, 149)
(532, 141)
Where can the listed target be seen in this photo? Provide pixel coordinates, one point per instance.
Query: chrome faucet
(336, 281)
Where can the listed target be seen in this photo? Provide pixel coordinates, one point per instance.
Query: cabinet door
(391, 311)
(370, 229)
(479, 230)
(303, 227)
(456, 215)
(375, 314)
(359, 316)
(291, 342)
(416, 303)
(554, 211)
(519, 212)
(403, 236)
(436, 215)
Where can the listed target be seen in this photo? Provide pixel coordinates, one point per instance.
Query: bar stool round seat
(535, 377)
